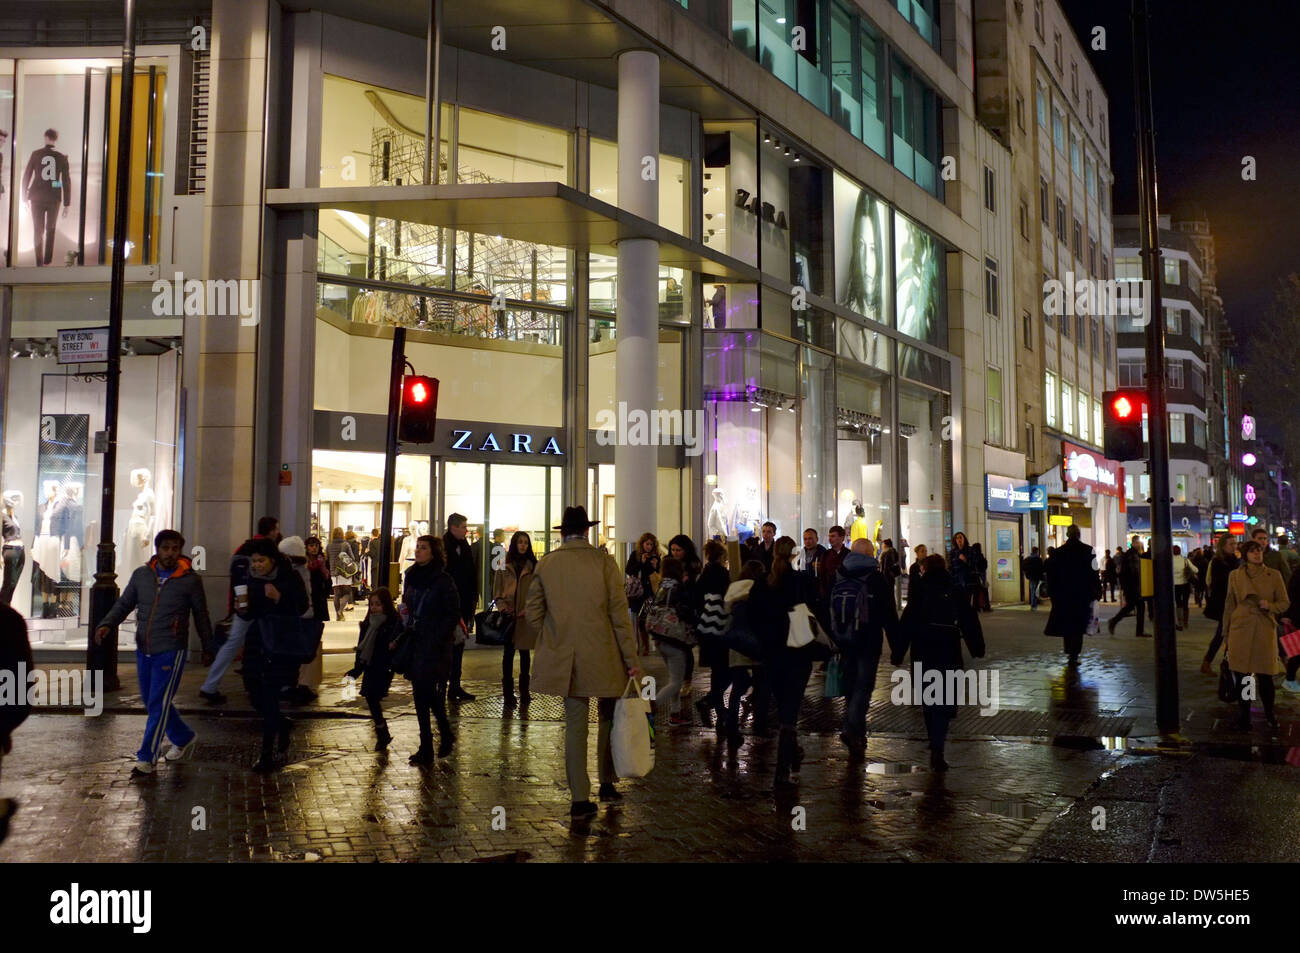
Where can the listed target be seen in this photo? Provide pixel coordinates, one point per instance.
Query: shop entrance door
(499, 499)
(1004, 560)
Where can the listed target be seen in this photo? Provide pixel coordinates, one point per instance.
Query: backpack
(849, 601)
(347, 566)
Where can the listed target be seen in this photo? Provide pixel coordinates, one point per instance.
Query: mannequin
(748, 516)
(716, 525)
(137, 546)
(68, 526)
(406, 557)
(15, 556)
(424, 527)
(45, 551)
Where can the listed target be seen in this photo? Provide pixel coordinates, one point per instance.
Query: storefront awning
(546, 213)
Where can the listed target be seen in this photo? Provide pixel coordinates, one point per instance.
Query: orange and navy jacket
(163, 609)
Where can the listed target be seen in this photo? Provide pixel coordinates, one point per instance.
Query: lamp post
(104, 593)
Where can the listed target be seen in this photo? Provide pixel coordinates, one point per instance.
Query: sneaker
(1291, 686)
(679, 721)
(142, 768)
(212, 698)
(583, 809)
(182, 753)
(609, 793)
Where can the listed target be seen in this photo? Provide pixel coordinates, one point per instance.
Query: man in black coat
(1074, 585)
(1033, 569)
(1130, 584)
(460, 566)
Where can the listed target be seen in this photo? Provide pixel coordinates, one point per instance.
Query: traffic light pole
(390, 452)
(1158, 418)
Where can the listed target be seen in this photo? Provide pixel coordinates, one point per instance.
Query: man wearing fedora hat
(585, 648)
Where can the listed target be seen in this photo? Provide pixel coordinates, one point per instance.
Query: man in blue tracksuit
(164, 593)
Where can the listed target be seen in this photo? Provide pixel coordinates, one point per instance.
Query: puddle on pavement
(893, 767)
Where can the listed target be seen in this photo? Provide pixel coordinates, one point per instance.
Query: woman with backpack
(710, 591)
(1216, 582)
(342, 562)
(432, 616)
(510, 593)
(933, 626)
(671, 623)
(379, 630)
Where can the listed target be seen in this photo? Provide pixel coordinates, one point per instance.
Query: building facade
(773, 230)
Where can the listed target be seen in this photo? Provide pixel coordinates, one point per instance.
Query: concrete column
(637, 358)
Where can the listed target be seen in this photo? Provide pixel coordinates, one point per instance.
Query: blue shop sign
(1011, 495)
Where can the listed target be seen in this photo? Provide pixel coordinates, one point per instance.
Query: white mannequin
(407, 556)
(716, 524)
(137, 547)
(424, 527)
(72, 552)
(45, 548)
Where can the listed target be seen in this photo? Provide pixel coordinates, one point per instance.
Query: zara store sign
(515, 442)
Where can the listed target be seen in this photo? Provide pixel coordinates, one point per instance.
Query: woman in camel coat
(1256, 596)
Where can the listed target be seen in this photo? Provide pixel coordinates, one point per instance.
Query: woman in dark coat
(433, 613)
(276, 597)
(1221, 566)
(374, 663)
(787, 669)
(710, 589)
(934, 624)
(641, 565)
(682, 547)
(961, 565)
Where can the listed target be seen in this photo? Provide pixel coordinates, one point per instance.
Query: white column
(637, 358)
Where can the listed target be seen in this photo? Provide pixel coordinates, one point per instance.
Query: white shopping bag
(632, 741)
(1094, 621)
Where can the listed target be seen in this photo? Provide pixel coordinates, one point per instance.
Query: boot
(524, 696)
(382, 735)
(786, 753)
(508, 702)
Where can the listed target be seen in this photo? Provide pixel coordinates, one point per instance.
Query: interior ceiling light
(796, 157)
(787, 150)
(767, 137)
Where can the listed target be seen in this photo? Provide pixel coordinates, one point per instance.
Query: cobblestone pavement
(337, 800)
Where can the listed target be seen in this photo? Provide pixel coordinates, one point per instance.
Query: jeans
(15, 557)
(226, 654)
(1033, 593)
(1215, 642)
(575, 745)
(508, 668)
(428, 696)
(676, 657)
(457, 663)
(860, 667)
(160, 676)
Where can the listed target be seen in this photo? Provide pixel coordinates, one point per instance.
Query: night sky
(1224, 86)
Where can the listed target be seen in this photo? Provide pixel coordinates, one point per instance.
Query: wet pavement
(1024, 783)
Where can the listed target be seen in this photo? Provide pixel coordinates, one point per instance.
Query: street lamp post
(104, 593)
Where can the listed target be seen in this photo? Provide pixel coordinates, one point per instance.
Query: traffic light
(419, 409)
(1122, 411)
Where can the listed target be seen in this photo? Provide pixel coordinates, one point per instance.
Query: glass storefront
(53, 478)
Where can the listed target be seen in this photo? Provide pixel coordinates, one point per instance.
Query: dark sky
(1224, 86)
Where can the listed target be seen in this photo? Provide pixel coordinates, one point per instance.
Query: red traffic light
(419, 414)
(1122, 407)
(419, 392)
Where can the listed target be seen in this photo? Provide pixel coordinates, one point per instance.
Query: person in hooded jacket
(433, 613)
(788, 668)
(374, 660)
(276, 597)
(860, 656)
(935, 623)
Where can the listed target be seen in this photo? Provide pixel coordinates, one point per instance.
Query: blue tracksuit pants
(160, 677)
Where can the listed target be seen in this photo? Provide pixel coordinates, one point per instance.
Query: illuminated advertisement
(919, 268)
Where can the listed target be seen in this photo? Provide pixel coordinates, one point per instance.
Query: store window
(730, 306)
(52, 478)
(875, 98)
(65, 117)
(919, 270)
(492, 148)
(864, 445)
(673, 177)
(915, 117)
(730, 189)
(602, 407)
(375, 136)
(348, 493)
(862, 344)
(925, 467)
(862, 236)
(789, 217)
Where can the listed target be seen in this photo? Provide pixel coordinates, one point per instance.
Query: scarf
(366, 652)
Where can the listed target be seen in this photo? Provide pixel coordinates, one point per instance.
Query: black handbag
(1227, 684)
(493, 627)
(288, 638)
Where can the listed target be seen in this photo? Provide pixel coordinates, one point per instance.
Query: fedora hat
(575, 520)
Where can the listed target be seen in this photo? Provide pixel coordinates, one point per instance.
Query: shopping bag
(632, 741)
(493, 627)
(834, 679)
(1094, 620)
(1291, 639)
(801, 627)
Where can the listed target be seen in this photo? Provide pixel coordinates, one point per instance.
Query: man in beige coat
(585, 649)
